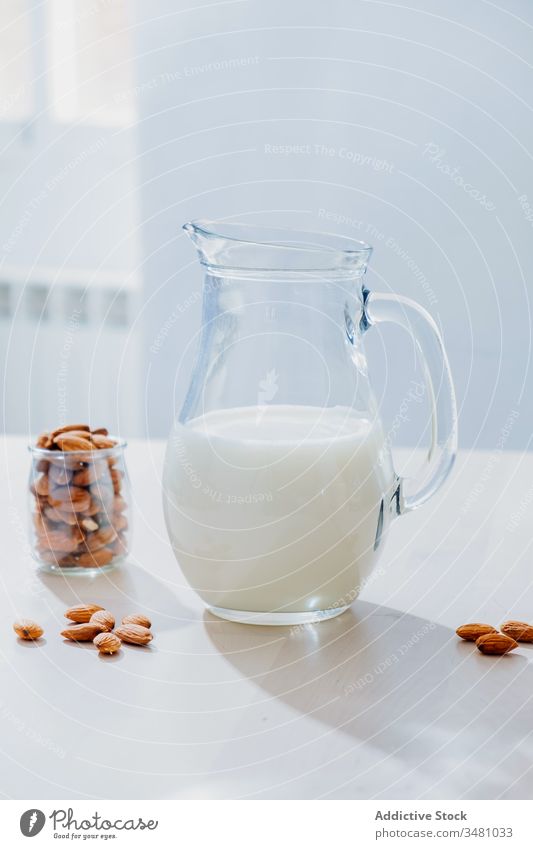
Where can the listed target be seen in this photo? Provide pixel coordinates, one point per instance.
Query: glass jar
(79, 509)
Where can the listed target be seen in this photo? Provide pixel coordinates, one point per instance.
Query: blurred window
(5, 299)
(90, 61)
(116, 308)
(16, 67)
(36, 301)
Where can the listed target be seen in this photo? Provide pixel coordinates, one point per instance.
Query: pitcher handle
(412, 492)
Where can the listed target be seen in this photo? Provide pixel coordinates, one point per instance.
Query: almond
(60, 476)
(44, 440)
(474, 630)
(96, 558)
(496, 644)
(27, 629)
(71, 498)
(120, 546)
(55, 515)
(55, 558)
(72, 441)
(82, 612)
(100, 539)
(42, 501)
(68, 518)
(520, 631)
(68, 428)
(92, 509)
(107, 643)
(62, 540)
(82, 434)
(82, 633)
(89, 474)
(116, 478)
(102, 441)
(120, 523)
(41, 485)
(89, 525)
(39, 524)
(137, 619)
(135, 634)
(105, 619)
(102, 494)
(101, 431)
(119, 504)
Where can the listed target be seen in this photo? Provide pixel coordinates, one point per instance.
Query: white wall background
(69, 222)
(409, 126)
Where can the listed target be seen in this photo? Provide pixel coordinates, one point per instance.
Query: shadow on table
(126, 589)
(403, 685)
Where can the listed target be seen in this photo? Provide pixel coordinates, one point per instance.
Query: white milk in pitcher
(277, 508)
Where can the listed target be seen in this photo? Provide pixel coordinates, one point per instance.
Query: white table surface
(382, 702)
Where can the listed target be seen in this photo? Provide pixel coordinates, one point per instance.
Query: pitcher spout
(248, 247)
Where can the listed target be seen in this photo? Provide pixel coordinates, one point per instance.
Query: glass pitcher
(279, 484)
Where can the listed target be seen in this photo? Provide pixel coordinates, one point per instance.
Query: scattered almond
(27, 629)
(135, 634)
(474, 630)
(82, 612)
(105, 619)
(81, 633)
(520, 631)
(107, 643)
(135, 628)
(137, 619)
(496, 644)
